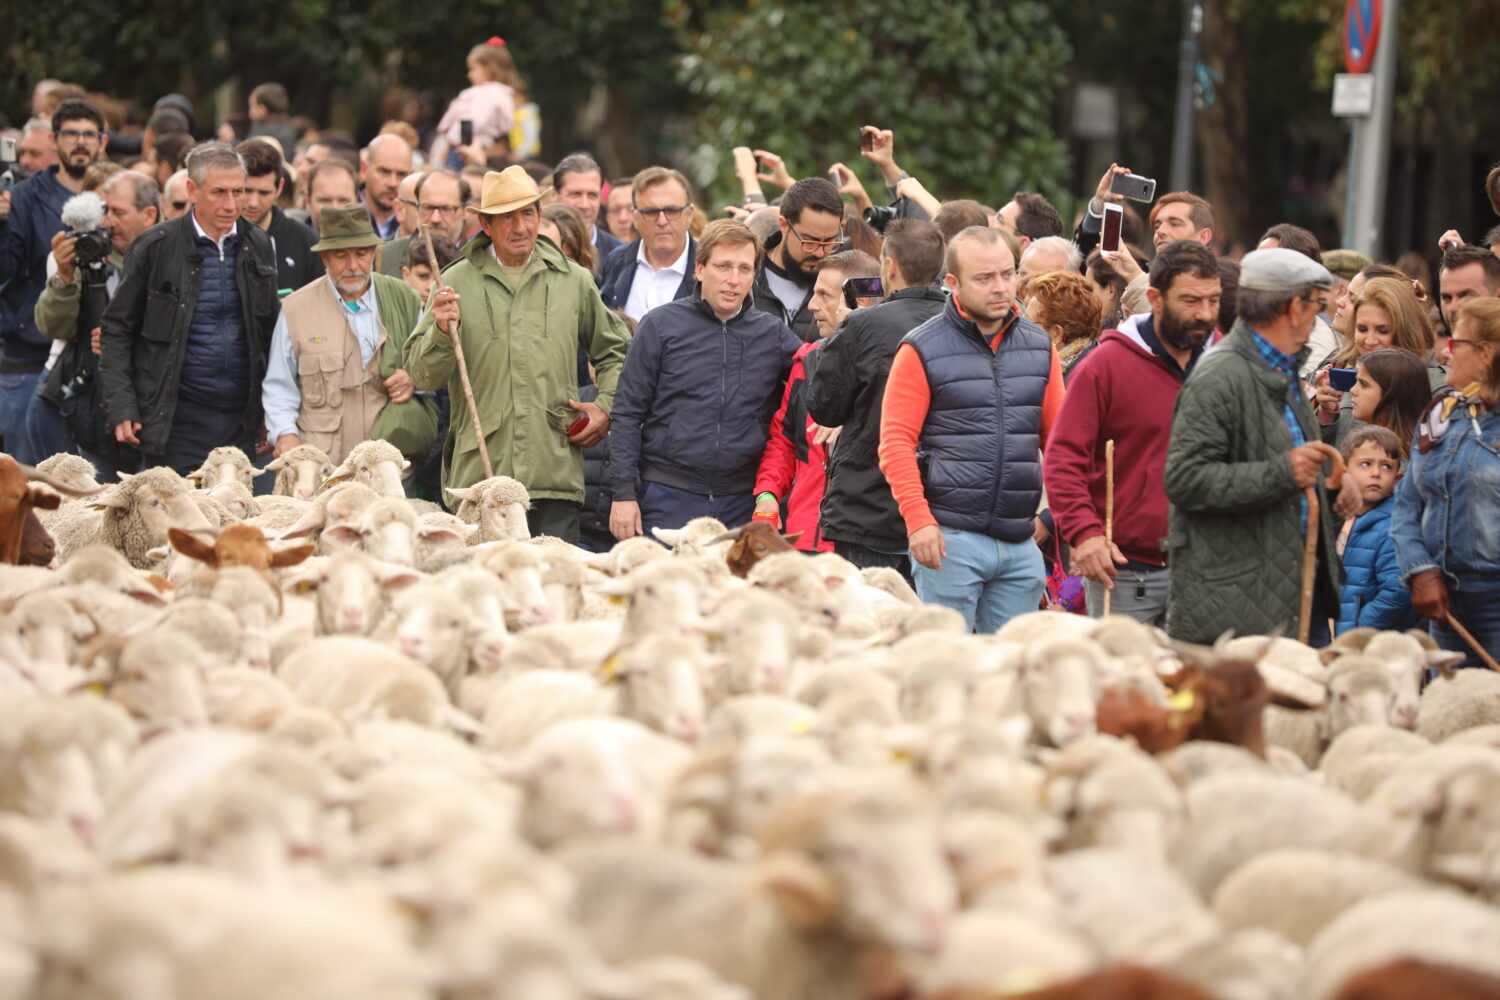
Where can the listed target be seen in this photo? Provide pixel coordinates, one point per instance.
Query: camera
(879, 216)
(12, 174)
(93, 246)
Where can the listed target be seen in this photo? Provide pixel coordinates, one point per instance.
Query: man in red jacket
(1126, 390)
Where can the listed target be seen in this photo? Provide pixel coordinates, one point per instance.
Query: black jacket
(847, 389)
(145, 327)
(801, 321)
(296, 264)
(693, 407)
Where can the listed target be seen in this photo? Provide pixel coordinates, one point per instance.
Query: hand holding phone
(466, 132)
(1133, 186)
(1342, 379)
(866, 139)
(1114, 220)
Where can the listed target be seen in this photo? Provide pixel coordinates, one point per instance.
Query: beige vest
(340, 397)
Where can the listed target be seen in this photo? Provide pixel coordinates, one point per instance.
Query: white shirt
(203, 233)
(654, 286)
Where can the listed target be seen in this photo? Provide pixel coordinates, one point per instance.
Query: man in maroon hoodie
(1126, 390)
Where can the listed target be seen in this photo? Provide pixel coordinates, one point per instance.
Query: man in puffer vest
(971, 397)
(324, 381)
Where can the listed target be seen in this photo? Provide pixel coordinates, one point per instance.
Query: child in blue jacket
(1373, 593)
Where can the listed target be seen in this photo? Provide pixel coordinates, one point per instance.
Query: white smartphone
(1114, 219)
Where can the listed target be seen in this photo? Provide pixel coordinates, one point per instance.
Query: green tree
(969, 87)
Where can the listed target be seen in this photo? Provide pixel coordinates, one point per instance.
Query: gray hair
(143, 190)
(212, 156)
(1257, 308)
(173, 181)
(36, 125)
(762, 222)
(1057, 245)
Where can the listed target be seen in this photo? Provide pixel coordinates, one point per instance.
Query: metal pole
(1372, 143)
(1187, 73)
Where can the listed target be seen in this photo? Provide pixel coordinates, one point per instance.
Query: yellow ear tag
(802, 727)
(95, 688)
(609, 670)
(902, 757)
(617, 599)
(1182, 701)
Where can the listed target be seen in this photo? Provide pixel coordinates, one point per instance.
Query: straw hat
(505, 191)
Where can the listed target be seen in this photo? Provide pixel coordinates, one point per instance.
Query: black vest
(980, 449)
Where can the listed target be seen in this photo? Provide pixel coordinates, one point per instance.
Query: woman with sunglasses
(1446, 526)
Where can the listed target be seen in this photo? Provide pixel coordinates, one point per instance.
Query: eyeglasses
(408, 201)
(447, 211)
(671, 212)
(1322, 304)
(1476, 344)
(180, 206)
(86, 135)
(725, 269)
(829, 245)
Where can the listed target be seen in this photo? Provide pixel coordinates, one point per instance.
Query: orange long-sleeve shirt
(908, 397)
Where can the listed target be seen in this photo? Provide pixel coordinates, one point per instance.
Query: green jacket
(1235, 531)
(521, 347)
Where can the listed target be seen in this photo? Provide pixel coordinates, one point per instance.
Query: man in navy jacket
(693, 405)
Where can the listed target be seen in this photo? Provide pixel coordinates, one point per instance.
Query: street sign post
(1361, 33)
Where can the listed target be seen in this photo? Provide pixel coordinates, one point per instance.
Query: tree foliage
(969, 88)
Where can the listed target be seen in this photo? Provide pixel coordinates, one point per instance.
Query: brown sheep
(752, 543)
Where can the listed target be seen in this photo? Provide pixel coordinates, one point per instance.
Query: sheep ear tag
(618, 599)
(609, 670)
(1182, 701)
(95, 688)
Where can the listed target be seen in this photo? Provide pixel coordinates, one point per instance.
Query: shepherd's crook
(458, 355)
(1109, 512)
(1468, 637)
(1310, 542)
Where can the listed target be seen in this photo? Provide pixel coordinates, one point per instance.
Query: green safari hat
(345, 229)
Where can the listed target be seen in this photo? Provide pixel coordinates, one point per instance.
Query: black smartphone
(1114, 217)
(1342, 379)
(465, 131)
(861, 288)
(866, 139)
(1133, 186)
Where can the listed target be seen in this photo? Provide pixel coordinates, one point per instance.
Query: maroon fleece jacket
(1125, 392)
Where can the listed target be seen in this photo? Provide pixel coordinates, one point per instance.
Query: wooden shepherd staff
(1109, 511)
(1310, 541)
(458, 354)
(1468, 637)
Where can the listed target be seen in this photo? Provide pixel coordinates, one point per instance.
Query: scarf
(1068, 353)
(1435, 421)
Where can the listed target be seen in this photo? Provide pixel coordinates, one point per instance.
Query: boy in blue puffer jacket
(1373, 593)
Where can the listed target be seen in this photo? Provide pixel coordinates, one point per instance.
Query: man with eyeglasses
(810, 228)
(693, 408)
(437, 202)
(174, 199)
(296, 264)
(33, 213)
(657, 268)
(1242, 451)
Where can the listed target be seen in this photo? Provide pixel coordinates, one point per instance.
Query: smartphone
(577, 426)
(866, 139)
(833, 175)
(1114, 218)
(465, 131)
(861, 288)
(1342, 379)
(1133, 186)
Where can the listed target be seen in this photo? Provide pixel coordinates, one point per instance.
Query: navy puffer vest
(980, 450)
(215, 360)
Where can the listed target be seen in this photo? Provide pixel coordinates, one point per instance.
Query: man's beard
(76, 171)
(353, 288)
(1183, 335)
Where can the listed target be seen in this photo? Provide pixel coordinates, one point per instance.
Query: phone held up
(1342, 379)
(1114, 218)
(861, 288)
(866, 139)
(466, 132)
(1133, 186)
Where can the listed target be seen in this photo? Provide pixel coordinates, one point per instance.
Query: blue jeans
(986, 580)
(16, 392)
(667, 507)
(44, 431)
(1479, 612)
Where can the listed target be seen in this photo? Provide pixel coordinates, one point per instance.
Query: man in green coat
(1239, 460)
(521, 310)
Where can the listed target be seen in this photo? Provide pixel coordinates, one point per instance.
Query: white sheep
(71, 470)
(1360, 757)
(300, 472)
(376, 464)
(520, 708)
(1468, 699)
(627, 554)
(1362, 691)
(57, 755)
(386, 530)
(441, 540)
(695, 538)
(429, 626)
(758, 635)
(356, 678)
(498, 506)
(1059, 685)
(660, 685)
(132, 517)
(224, 465)
(351, 591)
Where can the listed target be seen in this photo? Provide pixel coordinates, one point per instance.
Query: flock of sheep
(333, 744)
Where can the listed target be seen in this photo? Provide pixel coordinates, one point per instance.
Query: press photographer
(87, 259)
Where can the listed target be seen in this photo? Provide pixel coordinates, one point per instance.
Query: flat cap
(1281, 270)
(1345, 263)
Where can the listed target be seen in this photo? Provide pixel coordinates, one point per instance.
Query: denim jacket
(1448, 507)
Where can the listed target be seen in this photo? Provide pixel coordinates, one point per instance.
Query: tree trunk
(1224, 127)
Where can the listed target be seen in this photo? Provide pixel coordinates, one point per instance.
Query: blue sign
(1361, 34)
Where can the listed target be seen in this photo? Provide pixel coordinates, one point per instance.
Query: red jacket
(1122, 391)
(792, 467)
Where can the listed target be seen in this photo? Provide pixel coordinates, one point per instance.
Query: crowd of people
(993, 406)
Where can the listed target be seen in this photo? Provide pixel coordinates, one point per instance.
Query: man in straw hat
(336, 350)
(521, 311)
